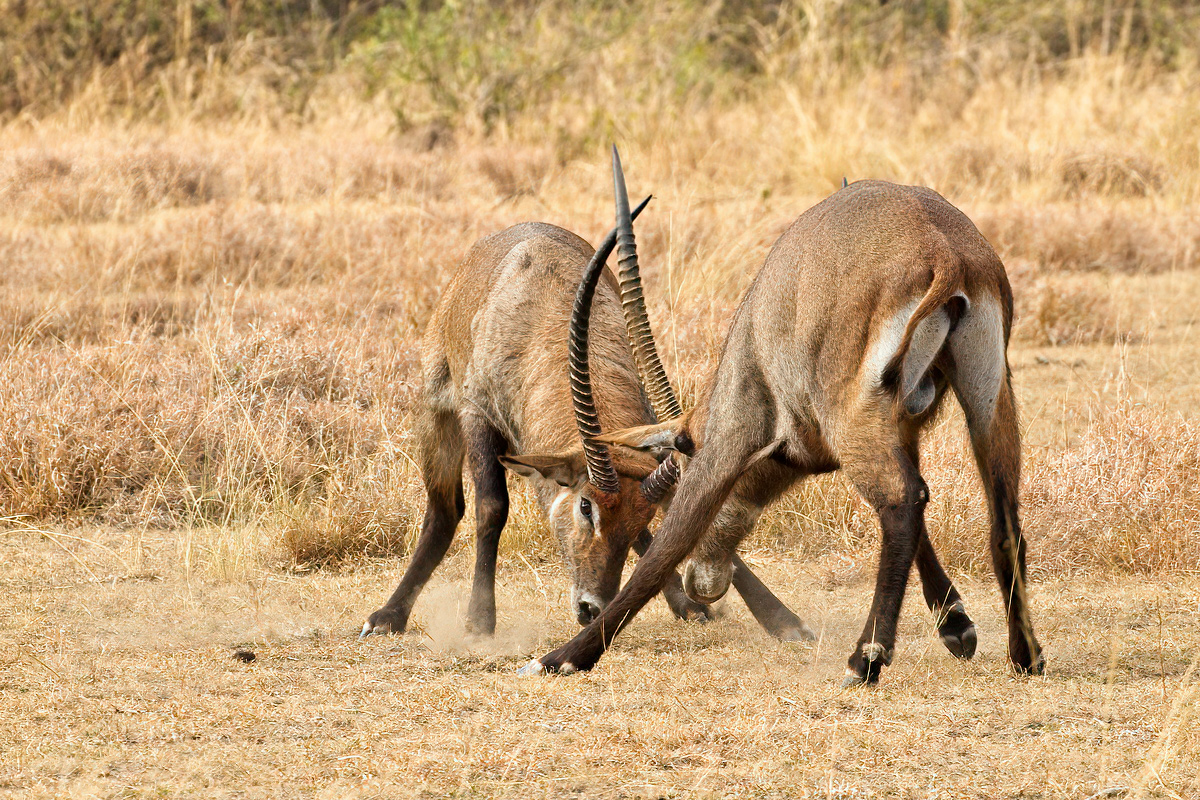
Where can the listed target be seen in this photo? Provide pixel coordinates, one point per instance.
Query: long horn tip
(640, 206)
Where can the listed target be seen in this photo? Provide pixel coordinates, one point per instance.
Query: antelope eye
(585, 507)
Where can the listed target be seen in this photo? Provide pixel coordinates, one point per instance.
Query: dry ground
(124, 684)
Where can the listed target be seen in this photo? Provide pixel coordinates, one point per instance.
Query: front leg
(701, 492)
(776, 618)
(485, 445)
(714, 563)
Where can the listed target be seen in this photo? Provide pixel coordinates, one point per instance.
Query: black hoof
(866, 665)
(1036, 667)
(854, 679)
(479, 631)
(958, 632)
(962, 646)
(691, 611)
(783, 624)
(795, 633)
(1025, 654)
(383, 621)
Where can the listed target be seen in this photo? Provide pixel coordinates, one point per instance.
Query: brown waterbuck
(503, 388)
(868, 308)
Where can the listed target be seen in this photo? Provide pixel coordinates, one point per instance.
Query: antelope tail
(925, 336)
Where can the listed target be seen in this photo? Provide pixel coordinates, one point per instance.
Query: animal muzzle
(707, 581)
(587, 607)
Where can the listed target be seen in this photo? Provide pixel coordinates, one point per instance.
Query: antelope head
(605, 497)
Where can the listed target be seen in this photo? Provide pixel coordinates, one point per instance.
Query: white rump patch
(977, 344)
(887, 342)
(917, 390)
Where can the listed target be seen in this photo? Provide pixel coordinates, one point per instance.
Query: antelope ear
(661, 438)
(566, 470)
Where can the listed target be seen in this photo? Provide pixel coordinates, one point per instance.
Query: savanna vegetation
(223, 226)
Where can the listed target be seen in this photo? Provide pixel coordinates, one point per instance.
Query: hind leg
(997, 445)
(876, 458)
(955, 628)
(485, 445)
(980, 377)
(441, 467)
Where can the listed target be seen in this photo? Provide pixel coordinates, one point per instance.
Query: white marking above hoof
(874, 651)
(366, 631)
(531, 669)
(852, 679)
(797, 633)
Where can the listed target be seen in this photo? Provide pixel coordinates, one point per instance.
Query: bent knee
(491, 511)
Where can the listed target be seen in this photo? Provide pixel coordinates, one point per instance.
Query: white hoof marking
(876, 652)
(531, 669)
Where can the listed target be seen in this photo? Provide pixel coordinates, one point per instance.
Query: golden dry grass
(209, 319)
(124, 685)
(215, 330)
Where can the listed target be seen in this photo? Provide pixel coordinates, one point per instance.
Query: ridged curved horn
(657, 484)
(599, 463)
(633, 303)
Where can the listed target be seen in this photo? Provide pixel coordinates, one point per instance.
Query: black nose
(586, 611)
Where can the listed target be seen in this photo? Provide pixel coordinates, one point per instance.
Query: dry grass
(124, 685)
(223, 331)
(215, 278)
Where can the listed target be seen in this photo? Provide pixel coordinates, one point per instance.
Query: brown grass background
(224, 226)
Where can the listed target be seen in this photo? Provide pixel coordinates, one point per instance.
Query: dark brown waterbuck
(868, 308)
(502, 388)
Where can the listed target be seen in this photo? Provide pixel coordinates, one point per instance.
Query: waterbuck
(868, 308)
(502, 388)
